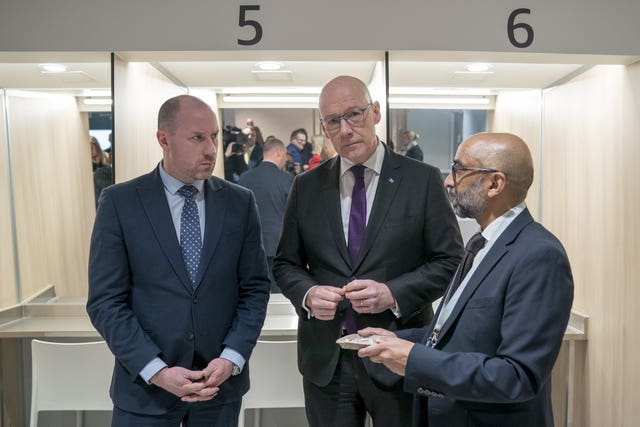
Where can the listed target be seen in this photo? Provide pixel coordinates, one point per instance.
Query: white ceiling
(310, 69)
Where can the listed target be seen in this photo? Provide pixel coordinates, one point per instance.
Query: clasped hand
(194, 386)
(366, 296)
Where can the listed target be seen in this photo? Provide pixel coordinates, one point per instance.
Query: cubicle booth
(567, 84)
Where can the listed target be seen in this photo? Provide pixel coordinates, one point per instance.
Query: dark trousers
(201, 414)
(346, 400)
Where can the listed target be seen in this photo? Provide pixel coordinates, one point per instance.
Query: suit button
(352, 278)
(195, 300)
(189, 336)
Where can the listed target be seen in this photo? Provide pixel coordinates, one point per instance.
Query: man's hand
(323, 301)
(392, 352)
(217, 372)
(369, 296)
(184, 383)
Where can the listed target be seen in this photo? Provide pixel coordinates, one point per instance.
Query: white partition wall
(139, 91)
(7, 268)
(53, 191)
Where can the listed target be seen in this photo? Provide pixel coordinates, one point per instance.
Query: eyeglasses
(457, 168)
(354, 118)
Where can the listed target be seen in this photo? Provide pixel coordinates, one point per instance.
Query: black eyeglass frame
(346, 117)
(457, 167)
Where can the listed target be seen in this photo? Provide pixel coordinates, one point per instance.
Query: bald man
(486, 358)
(381, 264)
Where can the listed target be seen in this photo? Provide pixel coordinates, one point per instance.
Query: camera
(231, 134)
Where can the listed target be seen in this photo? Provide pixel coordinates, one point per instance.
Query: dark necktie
(357, 226)
(475, 243)
(190, 238)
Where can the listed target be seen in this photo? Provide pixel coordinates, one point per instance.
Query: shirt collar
(497, 226)
(172, 185)
(374, 162)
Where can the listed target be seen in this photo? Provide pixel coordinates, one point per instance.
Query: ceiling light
(441, 100)
(478, 67)
(269, 66)
(97, 92)
(97, 101)
(53, 68)
(408, 90)
(308, 90)
(278, 99)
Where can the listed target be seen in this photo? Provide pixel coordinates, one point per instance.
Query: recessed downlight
(269, 66)
(53, 68)
(478, 67)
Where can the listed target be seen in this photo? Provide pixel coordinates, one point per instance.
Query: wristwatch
(235, 371)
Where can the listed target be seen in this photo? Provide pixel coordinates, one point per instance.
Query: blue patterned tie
(357, 226)
(190, 238)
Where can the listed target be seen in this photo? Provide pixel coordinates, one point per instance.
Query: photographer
(234, 142)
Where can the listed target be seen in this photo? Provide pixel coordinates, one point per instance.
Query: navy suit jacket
(412, 243)
(270, 186)
(493, 361)
(140, 297)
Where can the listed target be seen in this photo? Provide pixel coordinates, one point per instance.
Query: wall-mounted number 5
(512, 27)
(243, 22)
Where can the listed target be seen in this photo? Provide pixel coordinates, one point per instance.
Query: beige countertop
(50, 316)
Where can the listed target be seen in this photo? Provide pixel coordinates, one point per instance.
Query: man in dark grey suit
(178, 282)
(487, 357)
(368, 239)
(270, 185)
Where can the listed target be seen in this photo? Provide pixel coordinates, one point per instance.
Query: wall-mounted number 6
(243, 22)
(512, 27)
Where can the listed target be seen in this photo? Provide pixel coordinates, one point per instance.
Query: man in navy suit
(270, 185)
(487, 357)
(178, 283)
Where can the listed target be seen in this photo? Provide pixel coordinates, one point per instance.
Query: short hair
(167, 114)
(169, 111)
(297, 131)
(272, 144)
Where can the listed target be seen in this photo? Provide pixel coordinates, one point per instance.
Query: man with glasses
(369, 239)
(300, 148)
(487, 357)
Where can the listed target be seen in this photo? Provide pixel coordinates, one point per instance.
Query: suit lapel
(497, 251)
(331, 201)
(388, 184)
(215, 212)
(154, 203)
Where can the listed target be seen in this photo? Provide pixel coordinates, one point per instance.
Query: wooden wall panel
(590, 200)
(520, 113)
(140, 90)
(53, 192)
(7, 269)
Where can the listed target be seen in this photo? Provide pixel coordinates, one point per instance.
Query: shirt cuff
(151, 369)
(309, 313)
(396, 311)
(233, 356)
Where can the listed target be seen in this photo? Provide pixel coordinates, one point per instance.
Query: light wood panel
(7, 270)
(53, 192)
(140, 90)
(520, 113)
(590, 200)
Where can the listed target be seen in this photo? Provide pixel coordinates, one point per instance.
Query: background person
(270, 185)
(409, 145)
(346, 265)
(487, 357)
(178, 282)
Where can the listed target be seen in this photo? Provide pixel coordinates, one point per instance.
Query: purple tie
(357, 226)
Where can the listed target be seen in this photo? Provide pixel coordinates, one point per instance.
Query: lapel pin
(391, 180)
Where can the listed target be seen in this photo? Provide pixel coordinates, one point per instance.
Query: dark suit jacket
(493, 361)
(412, 243)
(271, 186)
(140, 298)
(415, 152)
